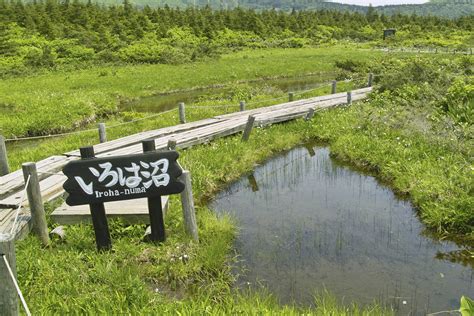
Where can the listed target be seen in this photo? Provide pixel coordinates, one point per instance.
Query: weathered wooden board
(51, 188)
(14, 181)
(139, 137)
(22, 225)
(180, 138)
(92, 181)
(286, 105)
(131, 211)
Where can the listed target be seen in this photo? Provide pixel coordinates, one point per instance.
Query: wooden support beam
(35, 201)
(102, 133)
(248, 128)
(310, 114)
(349, 97)
(242, 106)
(157, 222)
(182, 113)
(130, 211)
(371, 78)
(99, 220)
(187, 203)
(8, 296)
(291, 96)
(171, 144)
(334, 87)
(4, 168)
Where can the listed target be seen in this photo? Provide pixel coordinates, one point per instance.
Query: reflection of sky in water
(306, 223)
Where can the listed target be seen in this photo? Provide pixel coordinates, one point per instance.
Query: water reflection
(314, 224)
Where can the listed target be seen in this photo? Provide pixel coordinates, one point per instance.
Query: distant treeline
(442, 8)
(51, 33)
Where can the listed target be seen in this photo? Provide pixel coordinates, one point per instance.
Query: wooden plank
(283, 106)
(22, 226)
(15, 182)
(51, 188)
(131, 211)
(138, 137)
(306, 107)
(227, 123)
(8, 295)
(4, 213)
(206, 139)
(161, 142)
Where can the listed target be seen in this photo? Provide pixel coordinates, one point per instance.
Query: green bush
(458, 103)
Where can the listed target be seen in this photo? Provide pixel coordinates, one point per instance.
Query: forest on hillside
(54, 34)
(441, 8)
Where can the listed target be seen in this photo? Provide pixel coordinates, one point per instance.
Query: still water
(308, 223)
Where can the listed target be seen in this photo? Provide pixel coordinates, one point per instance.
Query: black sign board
(99, 180)
(389, 33)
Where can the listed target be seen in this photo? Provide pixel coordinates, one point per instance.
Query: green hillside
(444, 8)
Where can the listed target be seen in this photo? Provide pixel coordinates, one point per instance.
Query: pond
(308, 223)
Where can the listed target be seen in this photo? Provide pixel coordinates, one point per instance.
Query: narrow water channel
(308, 223)
(167, 101)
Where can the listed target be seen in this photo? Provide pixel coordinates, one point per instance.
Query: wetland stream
(167, 101)
(308, 223)
(162, 102)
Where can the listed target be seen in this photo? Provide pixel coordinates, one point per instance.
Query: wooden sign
(99, 180)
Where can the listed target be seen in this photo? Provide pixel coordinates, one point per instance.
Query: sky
(380, 2)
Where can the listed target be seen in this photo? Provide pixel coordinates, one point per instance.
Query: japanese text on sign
(122, 178)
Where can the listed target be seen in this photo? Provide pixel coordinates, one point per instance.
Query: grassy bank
(408, 135)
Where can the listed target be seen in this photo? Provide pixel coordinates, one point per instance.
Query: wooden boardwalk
(185, 135)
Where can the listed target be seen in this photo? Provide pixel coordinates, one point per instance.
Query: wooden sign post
(99, 220)
(95, 181)
(157, 223)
